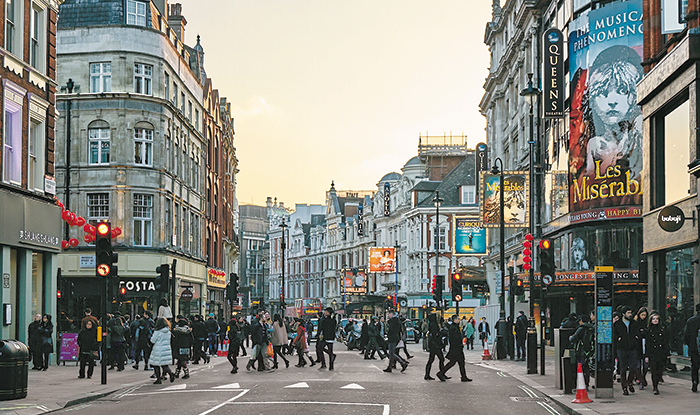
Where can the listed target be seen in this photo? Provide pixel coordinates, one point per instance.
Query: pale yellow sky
(340, 90)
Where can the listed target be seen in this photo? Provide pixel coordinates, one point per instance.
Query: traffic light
(547, 258)
(456, 286)
(162, 277)
(121, 294)
(527, 252)
(438, 289)
(281, 296)
(234, 286)
(104, 254)
(59, 294)
(519, 287)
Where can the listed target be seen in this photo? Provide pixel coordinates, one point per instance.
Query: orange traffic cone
(223, 350)
(486, 355)
(581, 393)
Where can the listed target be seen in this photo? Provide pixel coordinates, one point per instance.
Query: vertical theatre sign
(387, 199)
(553, 73)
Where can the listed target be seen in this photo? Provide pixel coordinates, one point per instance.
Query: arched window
(98, 142)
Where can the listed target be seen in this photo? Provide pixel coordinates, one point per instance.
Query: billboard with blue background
(469, 237)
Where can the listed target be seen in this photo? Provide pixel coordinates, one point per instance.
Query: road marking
(229, 386)
(386, 408)
(529, 391)
(501, 374)
(128, 391)
(548, 408)
(224, 403)
(298, 385)
(179, 386)
(181, 391)
(352, 386)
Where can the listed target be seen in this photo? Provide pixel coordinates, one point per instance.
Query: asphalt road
(356, 386)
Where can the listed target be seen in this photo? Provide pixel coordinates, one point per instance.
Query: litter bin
(14, 368)
(561, 346)
(569, 371)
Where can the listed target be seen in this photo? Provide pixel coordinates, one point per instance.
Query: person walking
(484, 332)
(212, 334)
(164, 310)
(393, 338)
(279, 339)
(626, 334)
(182, 343)
(258, 338)
(404, 337)
(642, 320)
(373, 343)
(235, 338)
(435, 345)
(300, 344)
(133, 335)
(469, 333)
(87, 349)
(200, 334)
(161, 355)
(656, 345)
(521, 324)
(583, 341)
(326, 336)
(456, 353)
(118, 340)
(33, 342)
(692, 333)
(142, 339)
(364, 336)
(45, 331)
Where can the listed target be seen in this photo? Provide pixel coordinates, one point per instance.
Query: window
(166, 93)
(98, 139)
(13, 26)
(35, 165)
(101, 77)
(168, 220)
(189, 111)
(38, 38)
(143, 214)
(98, 207)
(175, 94)
(135, 13)
(176, 223)
(671, 153)
(182, 103)
(196, 120)
(441, 241)
(143, 146)
(12, 139)
(468, 194)
(142, 78)
(185, 234)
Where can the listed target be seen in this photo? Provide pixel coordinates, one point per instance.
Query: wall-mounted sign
(360, 219)
(86, 261)
(553, 73)
(482, 157)
(355, 281)
(515, 199)
(671, 218)
(186, 295)
(469, 237)
(139, 286)
(387, 199)
(382, 259)
(49, 185)
(216, 278)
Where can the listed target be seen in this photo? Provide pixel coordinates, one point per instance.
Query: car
(412, 331)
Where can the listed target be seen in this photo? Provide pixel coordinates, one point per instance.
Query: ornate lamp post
(439, 281)
(501, 328)
(283, 247)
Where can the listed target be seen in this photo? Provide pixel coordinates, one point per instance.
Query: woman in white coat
(161, 354)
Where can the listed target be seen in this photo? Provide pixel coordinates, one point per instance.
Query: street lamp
(258, 294)
(284, 226)
(501, 329)
(334, 303)
(396, 279)
(439, 283)
(532, 92)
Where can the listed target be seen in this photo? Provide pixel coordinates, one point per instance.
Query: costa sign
(553, 73)
(671, 218)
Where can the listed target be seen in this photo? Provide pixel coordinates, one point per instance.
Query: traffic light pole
(173, 289)
(103, 359)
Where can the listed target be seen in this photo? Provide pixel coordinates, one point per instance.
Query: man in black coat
(393, 338)
(691, 334)
(521, 334)
(200, 334)
(259, 338)
(142, 338)
(456, 353)
(326, 338)
(626, 334)
(34, 343)
(235, 337)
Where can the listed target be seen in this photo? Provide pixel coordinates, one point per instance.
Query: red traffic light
(456, 276)
(58, 294)
(545, 244)
(102, 229)
(122, 290)
(529, 237)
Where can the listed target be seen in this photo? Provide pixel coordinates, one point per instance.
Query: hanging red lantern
(66, 215)
(59, 204)
(113, 233)
(73, 242)
(119, 231)
(80, 221)
(64, 245)
(88, 228)
(72, 217)
(88, 239)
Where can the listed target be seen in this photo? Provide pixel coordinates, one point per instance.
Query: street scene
(362, 207)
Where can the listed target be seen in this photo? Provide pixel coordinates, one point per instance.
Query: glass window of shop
(671, 153)
(679, 282)
(37, 283)
(584, 249)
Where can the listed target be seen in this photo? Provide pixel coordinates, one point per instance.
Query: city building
(30, 234)
(669, 97)
(254, 256)
(134, 150)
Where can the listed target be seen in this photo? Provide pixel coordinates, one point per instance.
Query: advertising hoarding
(469, 237)
(605, 131)
(515, 199)
(382, 259)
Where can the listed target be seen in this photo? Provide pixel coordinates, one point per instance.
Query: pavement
(675, 394)
(59, 387)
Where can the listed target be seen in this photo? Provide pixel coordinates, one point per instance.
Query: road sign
(103, 270)
(547, 280)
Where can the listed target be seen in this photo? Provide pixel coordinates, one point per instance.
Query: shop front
(190, 299)
(30, 239)
(216, 287)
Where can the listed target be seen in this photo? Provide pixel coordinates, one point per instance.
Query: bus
(307, 307)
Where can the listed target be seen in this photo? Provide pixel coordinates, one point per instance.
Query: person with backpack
(182, 342)
(583, 341)
(692, 339)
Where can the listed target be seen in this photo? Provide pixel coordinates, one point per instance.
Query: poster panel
(469, 237)
(382, 259)
(605, 131)
(515, 199)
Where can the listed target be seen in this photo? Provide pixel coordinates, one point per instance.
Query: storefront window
(679, 282)
(585, 248)
(37, 283)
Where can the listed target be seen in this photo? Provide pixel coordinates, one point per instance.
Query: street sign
(604, 332)
(547, 280)
(103, 270)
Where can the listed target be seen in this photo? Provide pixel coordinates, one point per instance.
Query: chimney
(269, 202)
(177, 21)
